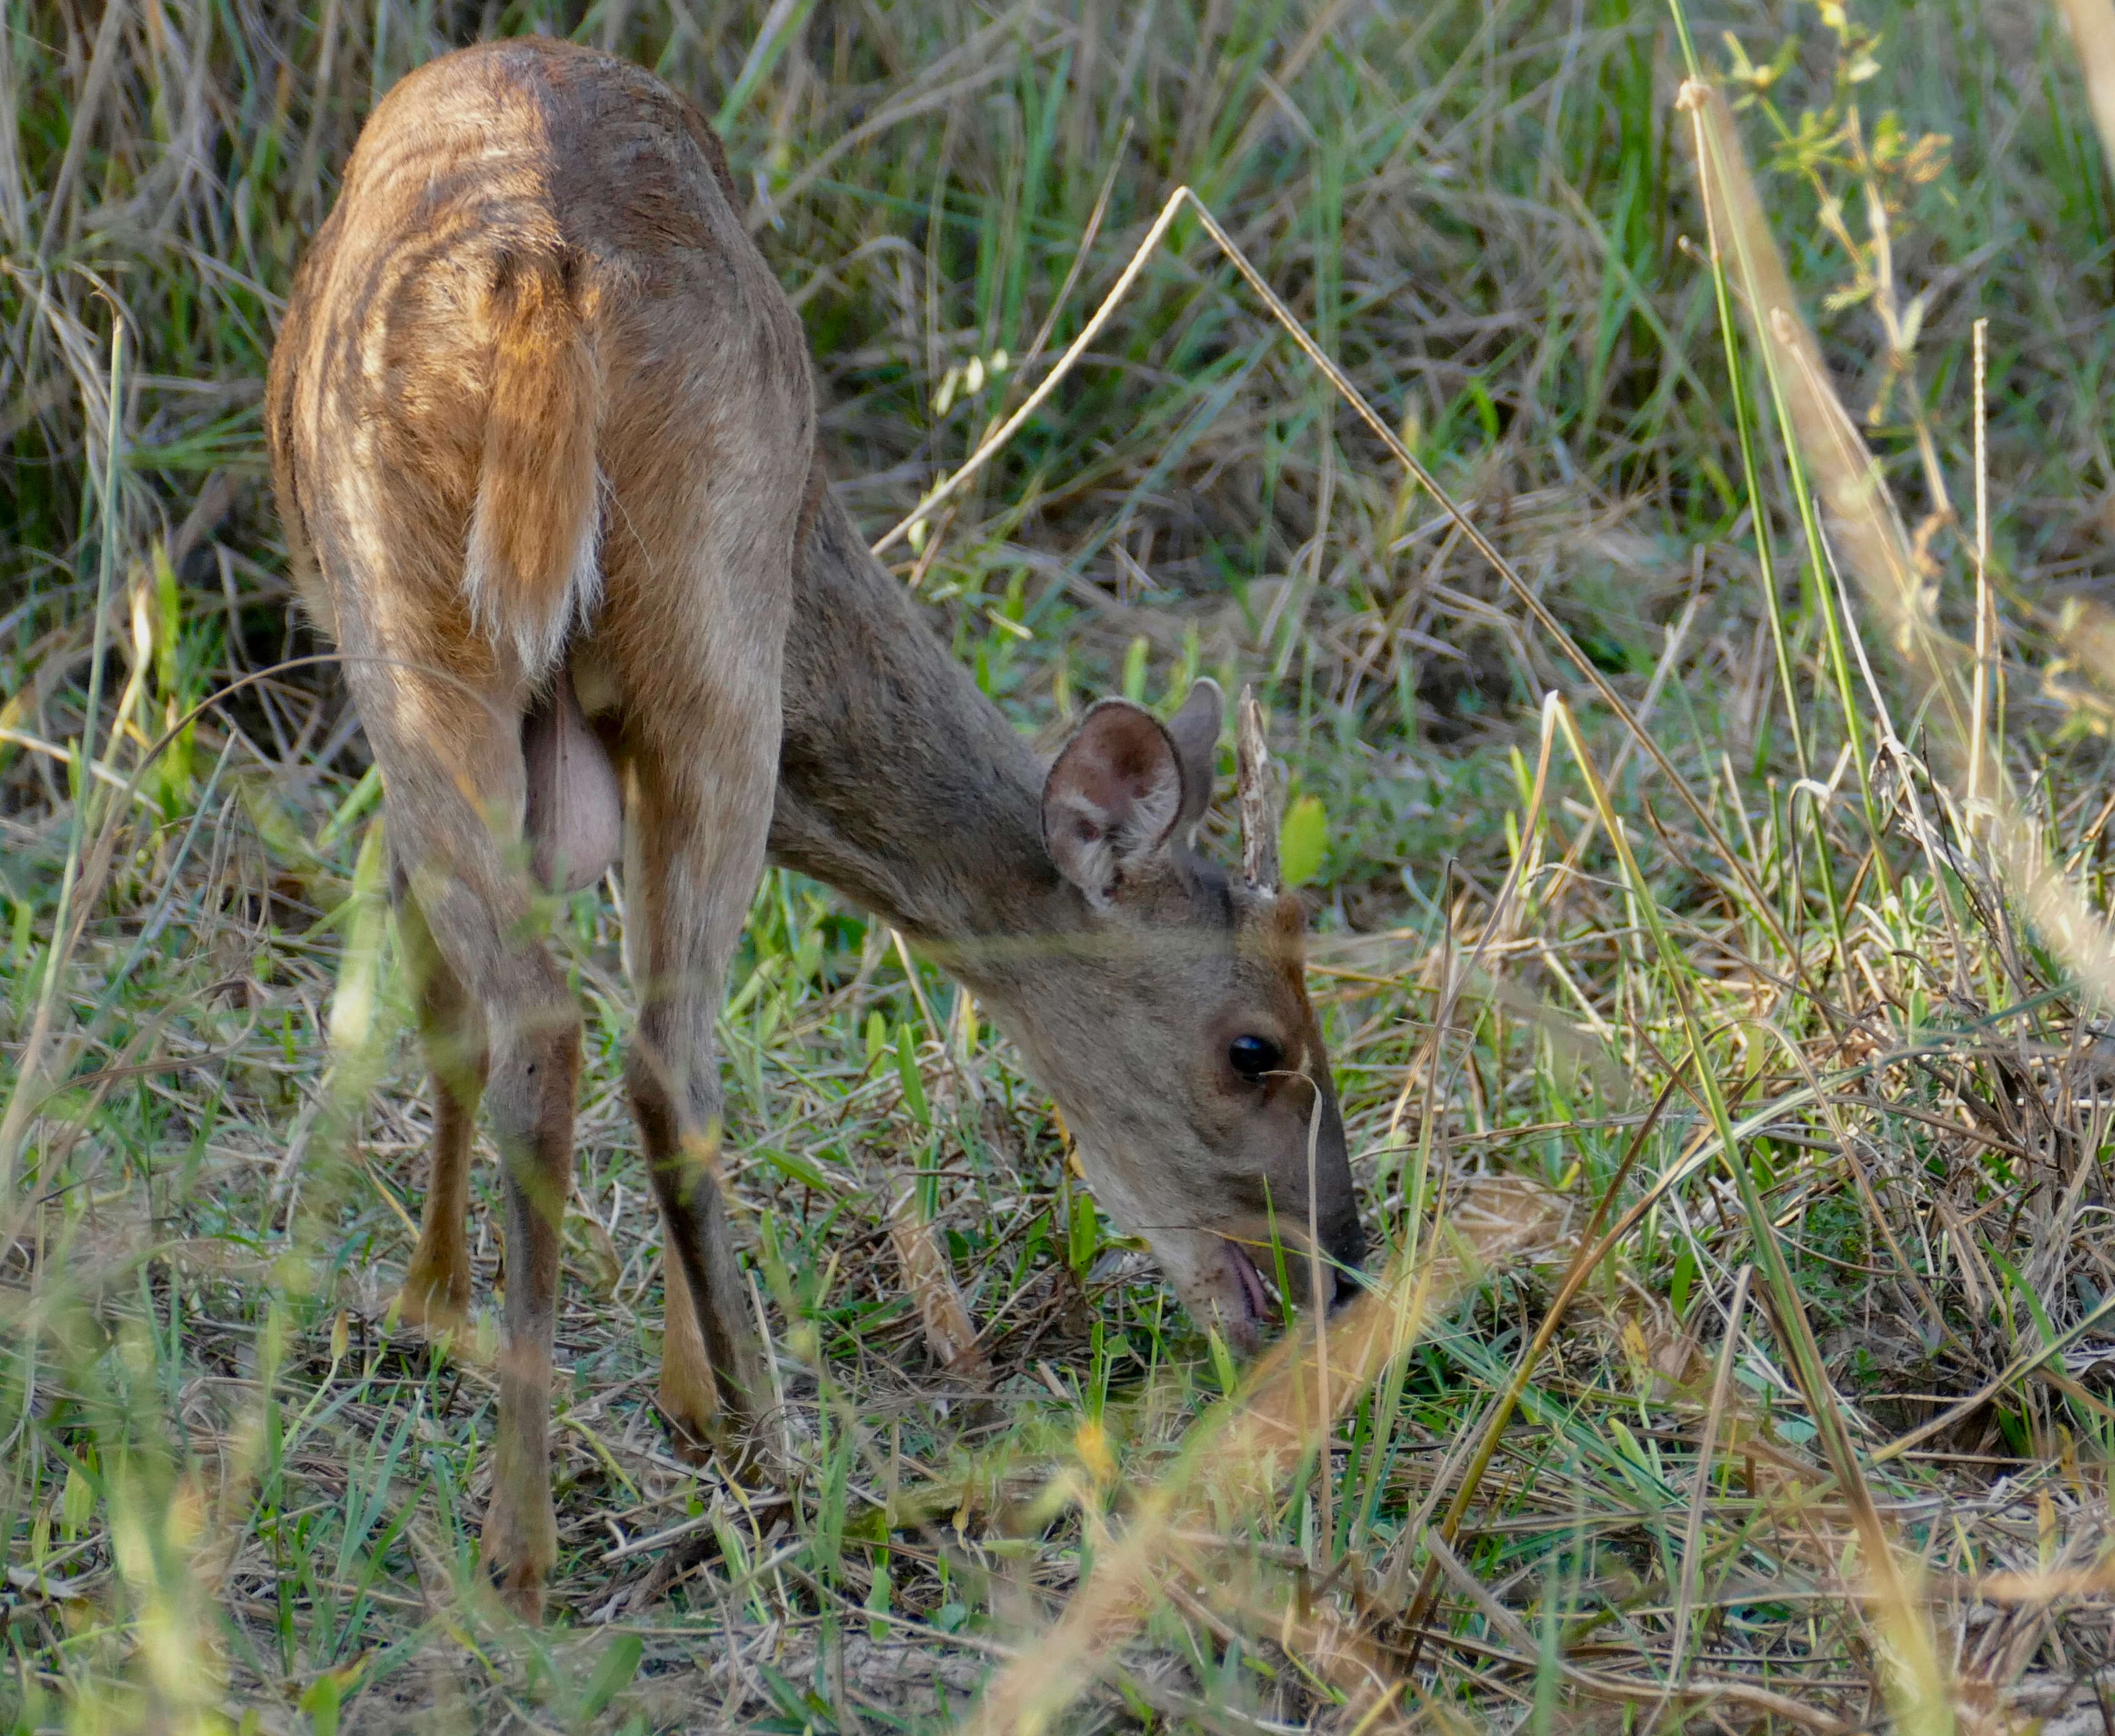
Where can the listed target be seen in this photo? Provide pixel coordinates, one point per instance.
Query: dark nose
(1347, 1249)
(1348, 1282)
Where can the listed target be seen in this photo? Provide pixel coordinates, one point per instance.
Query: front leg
(436, 1293)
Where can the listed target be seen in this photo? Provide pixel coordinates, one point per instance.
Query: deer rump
(532, 574)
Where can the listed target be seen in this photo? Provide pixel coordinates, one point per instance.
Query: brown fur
(543, 437)
(531, 570)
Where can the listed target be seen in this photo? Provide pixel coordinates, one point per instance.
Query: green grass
(1555, 984)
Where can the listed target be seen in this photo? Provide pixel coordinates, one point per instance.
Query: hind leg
(535, 1075)
(689, 1392)
(697, 855)
(494, 1004)
(477, 912)
(436, 1292)
(697, 598)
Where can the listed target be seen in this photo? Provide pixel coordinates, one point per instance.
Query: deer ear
(1194, 730)
(1113, 797)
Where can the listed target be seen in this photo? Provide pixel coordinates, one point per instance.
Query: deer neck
(901, 784)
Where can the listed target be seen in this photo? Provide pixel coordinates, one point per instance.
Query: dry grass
(1732, 1091)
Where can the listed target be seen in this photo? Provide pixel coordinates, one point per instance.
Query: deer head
(1159, 999)
(1172, 1021)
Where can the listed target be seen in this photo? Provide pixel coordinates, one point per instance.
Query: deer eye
(1252, 1057)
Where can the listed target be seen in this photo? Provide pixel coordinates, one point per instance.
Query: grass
(1728, 1084)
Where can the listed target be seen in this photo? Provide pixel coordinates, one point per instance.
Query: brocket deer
(543, 435)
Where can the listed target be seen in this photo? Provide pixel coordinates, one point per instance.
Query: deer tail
(532, 569)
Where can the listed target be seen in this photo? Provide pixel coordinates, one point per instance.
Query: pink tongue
(1251, 1280)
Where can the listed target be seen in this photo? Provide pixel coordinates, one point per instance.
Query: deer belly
(575, 818)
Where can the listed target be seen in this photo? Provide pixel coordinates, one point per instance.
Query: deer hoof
(688, 1444)
(699, 1426)
(518, 1555)
(521, 1591)
(433, 1305)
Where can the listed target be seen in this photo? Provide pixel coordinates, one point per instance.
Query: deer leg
(443, 704)
(436, 1292)
(534, 1069)
(535, 1072)
(688, 1393)
(692, 635)
(711, 1375)
(451, 762)
(695, 853)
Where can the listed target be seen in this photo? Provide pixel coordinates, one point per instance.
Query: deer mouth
(1340, 1283)
(1248, 1281)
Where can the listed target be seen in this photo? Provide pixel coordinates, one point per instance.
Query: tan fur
(531, 572)
(543, 441)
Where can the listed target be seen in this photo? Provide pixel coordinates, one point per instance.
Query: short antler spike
(1258, 806)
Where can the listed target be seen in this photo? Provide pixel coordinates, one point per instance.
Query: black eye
(1252, 1057)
